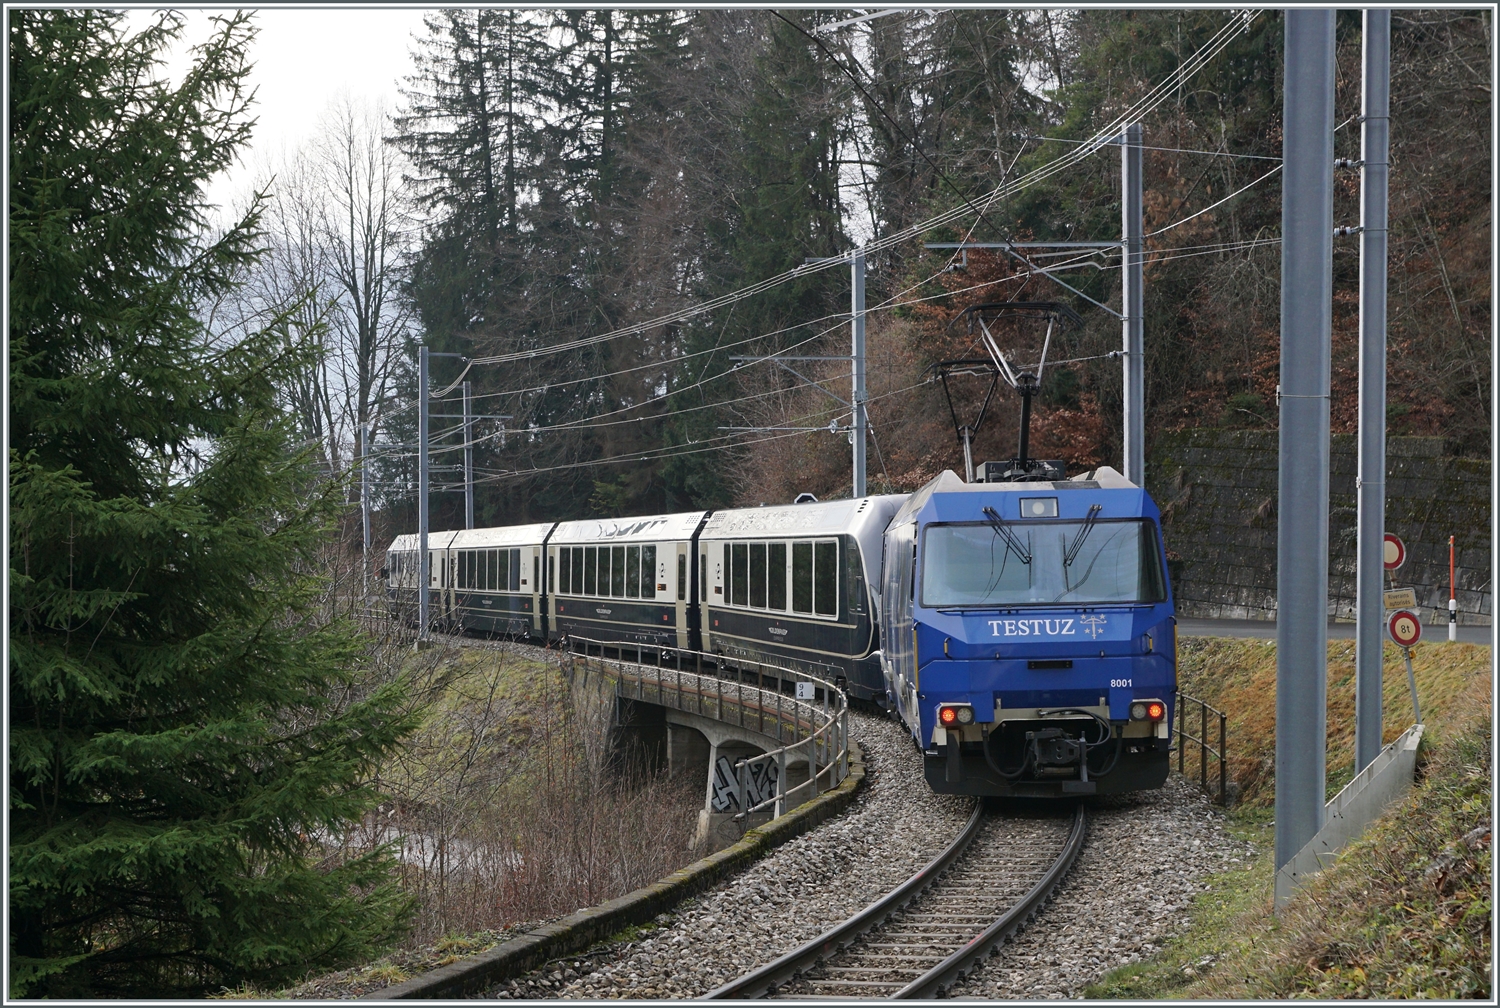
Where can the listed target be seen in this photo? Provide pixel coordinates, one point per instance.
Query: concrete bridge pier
(697, 744)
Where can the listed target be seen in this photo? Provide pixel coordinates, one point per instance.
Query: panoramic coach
(624, 580)
(791, 586)
(496, 574)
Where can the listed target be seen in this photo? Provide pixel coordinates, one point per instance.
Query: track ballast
(929, 932)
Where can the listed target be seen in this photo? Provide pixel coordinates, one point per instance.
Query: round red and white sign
(1395, 552)
(1405, 628)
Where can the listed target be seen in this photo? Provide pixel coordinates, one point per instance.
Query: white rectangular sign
(1400, 598)
(806, 691)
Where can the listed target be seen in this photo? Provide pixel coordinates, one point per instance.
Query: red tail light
(1156, 710)
(948, 715)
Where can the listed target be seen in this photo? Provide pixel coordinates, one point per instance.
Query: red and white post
(1452, 597)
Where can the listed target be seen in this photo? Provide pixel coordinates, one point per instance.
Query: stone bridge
(763, 739)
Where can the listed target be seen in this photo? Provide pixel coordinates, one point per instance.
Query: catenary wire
(1080, 260)
(1104, 137)
(1206, 209)
(1176, 150)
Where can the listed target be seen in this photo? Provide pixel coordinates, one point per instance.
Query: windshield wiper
(1083, 533)
(1011, 542)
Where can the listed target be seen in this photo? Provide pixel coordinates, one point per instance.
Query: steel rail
(829, 944)
(945, 973)
(839, 937)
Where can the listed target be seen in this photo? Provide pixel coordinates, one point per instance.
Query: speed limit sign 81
(1405, 628)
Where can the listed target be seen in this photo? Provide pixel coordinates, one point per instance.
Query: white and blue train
(1023, 631)
(790, 585)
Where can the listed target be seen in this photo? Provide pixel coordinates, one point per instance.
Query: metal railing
(378, 620)
(1201, 740)
(714, 686)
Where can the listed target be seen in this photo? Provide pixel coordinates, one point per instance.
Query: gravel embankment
(797, 892)
(1145, 858)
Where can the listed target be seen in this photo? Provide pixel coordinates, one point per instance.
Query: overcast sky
(305, 58)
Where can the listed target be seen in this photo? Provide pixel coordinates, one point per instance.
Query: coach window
(682, 578)
(648, 572)
(577, 586)
(826, 578)
(617, 571)
(536, 572)
(703, 577)
(739, 574)
(590, 566)
(758, 575)
(564, 570)
(802, 577)
(632, 572)
(776, 576)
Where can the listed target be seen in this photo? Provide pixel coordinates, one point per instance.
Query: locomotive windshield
(1041, 563)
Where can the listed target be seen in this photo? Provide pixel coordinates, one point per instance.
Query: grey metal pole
(1133, 304)
(424, 574)
(1411, 682)
(364, 508)
(1302, 485)
(861, 419)
(468, 461)
(1374, 179)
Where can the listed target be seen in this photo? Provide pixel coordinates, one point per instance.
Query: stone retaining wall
(1217, 492)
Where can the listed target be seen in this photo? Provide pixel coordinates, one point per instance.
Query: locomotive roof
(822, 517)
(647, 529)
(947, 482)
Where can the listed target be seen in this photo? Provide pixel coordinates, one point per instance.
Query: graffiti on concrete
(760, 787)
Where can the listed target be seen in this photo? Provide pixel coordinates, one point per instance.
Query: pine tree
(184, 724)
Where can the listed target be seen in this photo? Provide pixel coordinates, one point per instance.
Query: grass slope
(1405, 911)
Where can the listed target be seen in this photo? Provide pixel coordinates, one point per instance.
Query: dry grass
(512, 803)
(1405, 910)
(1404, 913)
(1239, 676)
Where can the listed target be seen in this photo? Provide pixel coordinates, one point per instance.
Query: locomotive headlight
(947, 715)
(966, 715)
(1148, 710)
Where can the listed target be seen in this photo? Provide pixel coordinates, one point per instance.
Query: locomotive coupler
(1054, 747)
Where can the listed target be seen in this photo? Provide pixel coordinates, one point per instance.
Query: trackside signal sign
(1405, 628)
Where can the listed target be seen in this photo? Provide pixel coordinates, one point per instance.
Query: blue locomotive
(1028, 635)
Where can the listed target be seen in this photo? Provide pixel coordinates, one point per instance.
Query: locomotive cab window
(1042, 563)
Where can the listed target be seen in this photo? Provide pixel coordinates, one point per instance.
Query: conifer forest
(604, 220)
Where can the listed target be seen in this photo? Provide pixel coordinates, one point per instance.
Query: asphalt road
(1431, 632)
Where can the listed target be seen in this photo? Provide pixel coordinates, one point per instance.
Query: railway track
(926, 934)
